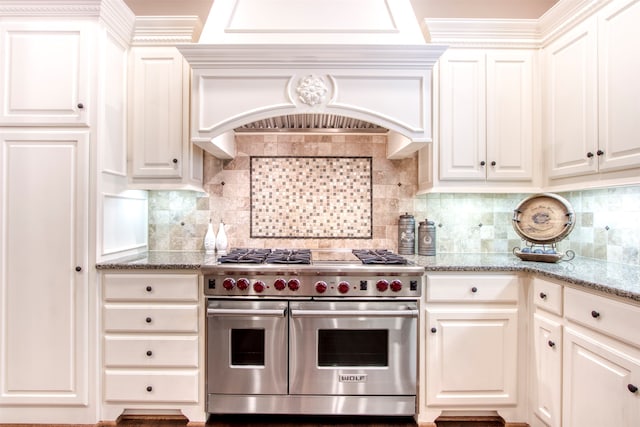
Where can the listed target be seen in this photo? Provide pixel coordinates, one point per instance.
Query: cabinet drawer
(151, 287)
(603, 314)
(547, 296)
(472, 288)
(151, 351)
(147, 318)
(156, 386)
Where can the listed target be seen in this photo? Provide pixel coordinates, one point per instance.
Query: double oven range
(312, 332)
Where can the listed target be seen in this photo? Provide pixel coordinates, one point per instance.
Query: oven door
(353, 348)
(246, 347)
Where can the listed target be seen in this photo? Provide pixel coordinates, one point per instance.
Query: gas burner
(245, 256)
(379, 256)
(289, 256)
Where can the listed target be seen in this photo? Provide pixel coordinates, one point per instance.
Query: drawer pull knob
(148, 320)
(632, 388)
(174, 161)
(543, 295)
(80, 105)
(149, 288)
(149, 388)
(149, 353)
(595, 314)
(474, 289)
(551, 344)
(434, 330)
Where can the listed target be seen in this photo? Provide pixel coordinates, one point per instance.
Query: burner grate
(378, 256)
(289, 256)
(245, 256)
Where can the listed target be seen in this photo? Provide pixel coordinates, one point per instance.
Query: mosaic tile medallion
(311, 197)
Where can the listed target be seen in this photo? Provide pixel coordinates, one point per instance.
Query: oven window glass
(353, 347)
(247, 347)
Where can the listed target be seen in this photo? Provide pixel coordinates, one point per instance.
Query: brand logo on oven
(352, 378)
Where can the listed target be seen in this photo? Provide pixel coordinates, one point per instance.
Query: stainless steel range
(312, 332)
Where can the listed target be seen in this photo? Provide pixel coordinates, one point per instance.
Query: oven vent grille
(311, 123)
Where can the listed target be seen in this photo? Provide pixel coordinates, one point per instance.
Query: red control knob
(382, 285)
(396, 285)
(280, 284)
(343, 287)
(321, 287)
(294, 284)
(243, 284)
(258, 286)
(228, 283)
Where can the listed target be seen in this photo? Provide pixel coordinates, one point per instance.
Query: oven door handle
(354, 313)
(255, 312)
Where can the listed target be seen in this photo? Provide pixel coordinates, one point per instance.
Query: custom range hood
(365, 60)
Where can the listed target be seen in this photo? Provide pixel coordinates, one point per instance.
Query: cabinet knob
(482, 163)
(551, 344)
(493, 163)
(149, 288)
(78, 268)
(148, 320)
(80, 105)
(149, 353)
(595, 314)
(599, 152)
(543, 295)
(474, 289)
(632, 388)
(175, 160)
(589, 154)
(149, 388)
(434, 330)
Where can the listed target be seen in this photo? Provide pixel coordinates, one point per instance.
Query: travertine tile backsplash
(178, 220)
(606, 220)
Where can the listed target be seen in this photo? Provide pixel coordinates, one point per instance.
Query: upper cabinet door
(46, 72)
(510, 115)
(462, 115)
(570, 105)
(157, 112)
(618, 84)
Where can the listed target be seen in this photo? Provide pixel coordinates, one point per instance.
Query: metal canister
(427, 238)
(406, 235)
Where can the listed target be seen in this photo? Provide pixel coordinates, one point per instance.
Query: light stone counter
(616, 279)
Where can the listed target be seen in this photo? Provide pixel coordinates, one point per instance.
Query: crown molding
(499, 33)
(118, 18)
(165, 30)
(50, 8)
(565, 15)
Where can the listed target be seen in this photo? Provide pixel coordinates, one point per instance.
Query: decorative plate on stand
(543, 220)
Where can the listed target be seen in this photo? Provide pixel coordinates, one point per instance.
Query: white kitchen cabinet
(152, 335)
(486, 115)
(591, 88)
(161, 153)
(471, 338)
(601, 365)
(46, 66)
(600, 382)
(44, 295)
(547, 352)
(618, 85)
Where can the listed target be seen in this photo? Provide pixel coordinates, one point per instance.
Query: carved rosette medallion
(311, 90)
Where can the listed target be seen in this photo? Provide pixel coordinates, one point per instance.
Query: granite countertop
(616, 279)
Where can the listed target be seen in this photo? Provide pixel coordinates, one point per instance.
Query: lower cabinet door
(547, 367)
(601, 383)
(151, 386)
(472, 356)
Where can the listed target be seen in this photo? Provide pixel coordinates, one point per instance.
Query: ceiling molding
(165, 30)
(511, 33)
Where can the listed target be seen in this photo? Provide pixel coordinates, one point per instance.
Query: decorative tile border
(311, 197)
